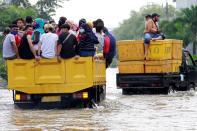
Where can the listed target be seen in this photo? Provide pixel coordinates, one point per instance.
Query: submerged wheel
(125, 91)
(129, 91)
(191, 86)
(168, 90)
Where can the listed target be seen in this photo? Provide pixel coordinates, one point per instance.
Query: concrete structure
(184, 3)
(7, 1)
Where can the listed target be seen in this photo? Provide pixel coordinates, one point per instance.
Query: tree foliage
(21, 3)
(184, 27)
(46, 8)
(133, 27)
(11, 13)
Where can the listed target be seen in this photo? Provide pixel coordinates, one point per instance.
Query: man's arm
(59, 48)
(31, 45)
(39, 47)
(15, 49)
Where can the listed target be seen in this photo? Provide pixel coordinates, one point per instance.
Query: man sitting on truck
(151, 31)
(10, 50)
(48, 43)
(66, 43)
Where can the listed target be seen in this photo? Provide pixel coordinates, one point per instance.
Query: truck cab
(189, 69)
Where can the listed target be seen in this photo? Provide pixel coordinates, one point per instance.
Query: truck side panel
(49, 76)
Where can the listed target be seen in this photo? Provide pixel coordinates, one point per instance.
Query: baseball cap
(155, 14)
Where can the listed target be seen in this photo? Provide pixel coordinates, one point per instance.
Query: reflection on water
(177, 111)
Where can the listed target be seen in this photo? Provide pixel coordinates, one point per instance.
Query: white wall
(185, 3)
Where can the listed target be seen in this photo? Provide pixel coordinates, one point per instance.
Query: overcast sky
(111, 11)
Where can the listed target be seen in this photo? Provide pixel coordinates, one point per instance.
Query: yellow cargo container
(165, 66)
(175, 65)
(177, 46)
(160, 50)
(130, 50)
(49, 76)
(158, 66)
(131, 67)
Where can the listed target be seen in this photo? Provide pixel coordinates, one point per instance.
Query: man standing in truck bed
(151, 31)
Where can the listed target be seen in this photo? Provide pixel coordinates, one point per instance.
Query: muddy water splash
(177, 111)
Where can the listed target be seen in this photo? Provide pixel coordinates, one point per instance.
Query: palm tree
(189, 18)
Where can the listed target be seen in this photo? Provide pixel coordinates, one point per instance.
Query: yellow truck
(168, 67)
(49, 83)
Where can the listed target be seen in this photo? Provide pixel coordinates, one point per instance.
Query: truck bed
(157, 80)
(50, 76)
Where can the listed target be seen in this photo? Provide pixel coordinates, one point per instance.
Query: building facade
(180, 4)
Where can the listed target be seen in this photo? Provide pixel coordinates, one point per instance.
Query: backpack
(106, 47)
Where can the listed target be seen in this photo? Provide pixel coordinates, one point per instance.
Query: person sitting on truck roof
(10, 50)
(100, 35)
(109, 50)
(73, 27)
(14, 31)
(26, 49)
(87, 41)
(151, 31)
(21, 25)
(28, 20)
(52, 22)
(81, 22)
(48, 43)
(61, 21)
(66, 43)
(38, 31)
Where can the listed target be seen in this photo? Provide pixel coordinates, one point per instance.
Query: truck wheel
(191, 87)
(171, 90)
(102, 93)
(125, 91)
(168, 90)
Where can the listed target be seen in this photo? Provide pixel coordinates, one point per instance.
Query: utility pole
(167, 10)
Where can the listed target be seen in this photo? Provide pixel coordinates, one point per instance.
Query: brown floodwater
(173, 112)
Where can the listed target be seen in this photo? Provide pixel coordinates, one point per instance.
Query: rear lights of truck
(22, 97)
(81, 95)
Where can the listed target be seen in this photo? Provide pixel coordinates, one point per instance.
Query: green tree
(133, 27)
(183, 27)
(46, 8)
(189, 18)
(21, 3)
(10, 13)
(176, 29)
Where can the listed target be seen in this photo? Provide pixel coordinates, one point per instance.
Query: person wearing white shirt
(48, 43)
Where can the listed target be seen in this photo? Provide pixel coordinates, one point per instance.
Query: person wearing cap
(48, 43)
(151, 31)
(66, 43)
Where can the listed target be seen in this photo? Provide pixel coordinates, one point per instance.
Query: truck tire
(168, 90)
(191, 86)
(125, 91)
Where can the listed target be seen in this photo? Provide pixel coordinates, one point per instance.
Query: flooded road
(176, 111)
